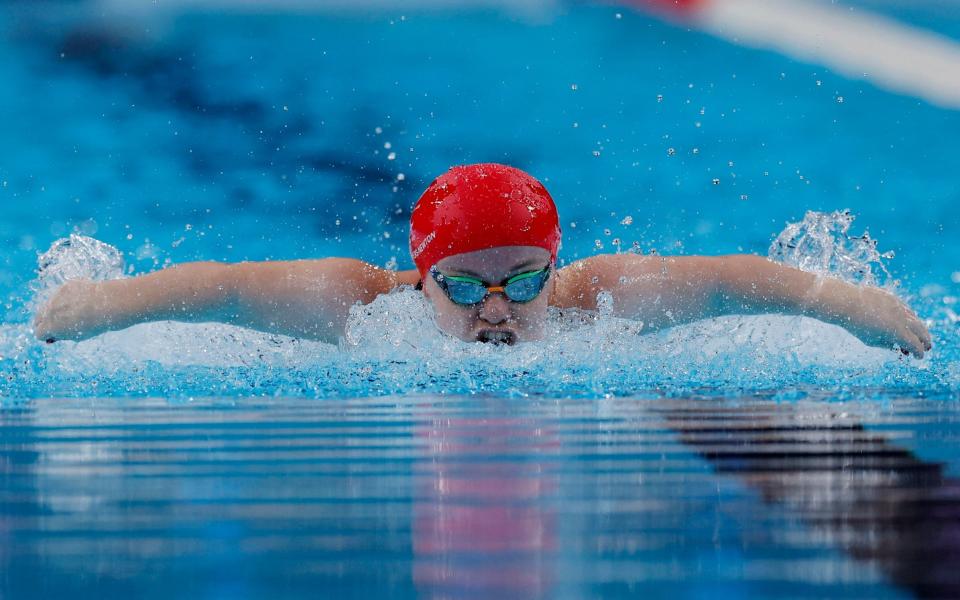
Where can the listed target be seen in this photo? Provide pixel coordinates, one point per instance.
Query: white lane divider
(856, 43)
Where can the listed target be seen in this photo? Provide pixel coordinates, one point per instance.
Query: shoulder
(578, 283)
(365, 279)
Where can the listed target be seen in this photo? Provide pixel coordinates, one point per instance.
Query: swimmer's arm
(308, 298)
(666, 291)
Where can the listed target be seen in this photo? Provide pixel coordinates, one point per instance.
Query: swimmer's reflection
(877, 501)
(482, 524)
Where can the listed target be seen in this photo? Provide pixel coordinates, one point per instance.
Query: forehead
(494, 263)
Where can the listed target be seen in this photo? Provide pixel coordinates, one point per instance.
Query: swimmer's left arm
(666, 291)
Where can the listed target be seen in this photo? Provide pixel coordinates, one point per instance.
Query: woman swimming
(484, 239)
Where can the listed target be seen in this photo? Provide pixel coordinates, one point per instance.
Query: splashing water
(75, 257)
(821, 243)
(393, 346)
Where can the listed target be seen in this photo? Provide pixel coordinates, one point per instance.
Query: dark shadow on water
(877, 501)
(466, 497)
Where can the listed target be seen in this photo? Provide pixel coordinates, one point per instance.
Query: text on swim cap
(423, 245)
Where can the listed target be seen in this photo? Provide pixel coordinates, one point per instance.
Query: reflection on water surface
(474, 497)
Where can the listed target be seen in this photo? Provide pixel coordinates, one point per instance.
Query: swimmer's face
(496, 318)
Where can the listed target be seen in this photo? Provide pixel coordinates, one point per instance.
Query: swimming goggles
(465, 291)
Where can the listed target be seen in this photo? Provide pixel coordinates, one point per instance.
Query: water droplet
(607, 232)
(696, 150)
(671, 151)
(574, 86)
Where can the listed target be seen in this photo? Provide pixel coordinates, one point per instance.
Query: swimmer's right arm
(304, 298)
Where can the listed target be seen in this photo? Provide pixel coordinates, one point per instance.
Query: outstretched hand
(882, 319)
(71, 314)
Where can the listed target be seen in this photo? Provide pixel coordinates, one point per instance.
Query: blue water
(737, 457)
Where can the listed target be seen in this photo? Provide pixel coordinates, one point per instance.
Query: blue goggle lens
(519, 288)
(463, 292)
(527, 288)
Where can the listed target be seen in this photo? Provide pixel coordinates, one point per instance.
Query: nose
(495, 308)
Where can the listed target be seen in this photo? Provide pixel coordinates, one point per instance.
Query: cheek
(532, 316)
(450, 317)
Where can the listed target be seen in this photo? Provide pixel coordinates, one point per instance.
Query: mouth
(497, 336)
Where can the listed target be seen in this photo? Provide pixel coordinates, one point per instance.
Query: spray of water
(821, 243)
(393, 345)
(75, 257)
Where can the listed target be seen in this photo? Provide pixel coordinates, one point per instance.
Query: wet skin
(496, 318)
(312, 298)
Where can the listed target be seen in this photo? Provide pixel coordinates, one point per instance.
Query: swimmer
(484, 239)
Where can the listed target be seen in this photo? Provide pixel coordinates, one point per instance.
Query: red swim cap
(475, 207)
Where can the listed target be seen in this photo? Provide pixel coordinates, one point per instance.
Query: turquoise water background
(735, 458)
(198, 135)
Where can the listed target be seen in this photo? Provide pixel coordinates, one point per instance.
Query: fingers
(915, 326)
(910, 343)
(49, 320)
(920, 330)
(40, 327)
(908, 330)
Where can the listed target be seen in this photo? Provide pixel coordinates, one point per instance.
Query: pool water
(735, 457)
(473, 496)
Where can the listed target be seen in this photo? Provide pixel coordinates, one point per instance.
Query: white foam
(393, 345)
